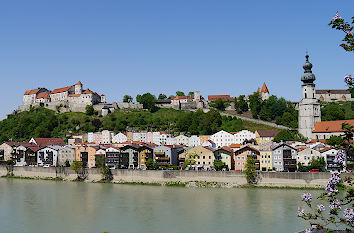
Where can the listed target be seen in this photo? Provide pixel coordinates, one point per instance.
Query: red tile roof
(215, 97)
(332, 92)
(258, 90)
(60, 90)
(264, 88)
(31, 92)
(49, 141)
(87, 91)
(235, 145)
(78, 83)
(225, 148)
(331, 126)
(318, 140)
(43, 95)
(181, 97)
(74, 95)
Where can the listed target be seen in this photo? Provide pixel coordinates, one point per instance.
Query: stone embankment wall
(271, 179)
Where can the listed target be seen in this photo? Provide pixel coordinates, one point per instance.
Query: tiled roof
(87, 91)
(43, 95)
(25, 144)
(258, 90)
(60, 90)
(332, 91)
(235, 145)
(318, 140)
(74, 95)
(215, 97)
(330, 126)
(78, 83)
(209, 148)
(267, 133)
(31, 92)
(264, 88)
(49, 141)
(181, 97)
(225, 148)
(326, 149)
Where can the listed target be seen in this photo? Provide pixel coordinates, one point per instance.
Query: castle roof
(332, 91)
(264, 88)
(215, 97)
(60, 90)
(87, 91)
(32, 92)
(74, 95)
(43, 95)
(78, 83)
(331, 126)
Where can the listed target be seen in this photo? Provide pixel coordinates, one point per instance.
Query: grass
(252, 126)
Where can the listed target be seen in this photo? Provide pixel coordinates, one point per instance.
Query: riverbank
(227, 179)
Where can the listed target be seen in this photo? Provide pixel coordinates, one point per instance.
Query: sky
(117, 47)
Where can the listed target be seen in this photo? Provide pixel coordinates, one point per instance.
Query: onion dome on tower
(308, 76)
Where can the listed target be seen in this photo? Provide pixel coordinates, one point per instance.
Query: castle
(71, 98)
(264, 92)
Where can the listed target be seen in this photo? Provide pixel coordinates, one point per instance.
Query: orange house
(86, 154)
(242, 154)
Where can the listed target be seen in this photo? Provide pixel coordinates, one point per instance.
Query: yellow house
(265, 136)
(203, 157)
(145, 153)
(129, 136)
(86, 154)
(225, 154)
(266, 161)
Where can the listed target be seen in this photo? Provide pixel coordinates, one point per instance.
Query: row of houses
(220, 139)
(52, 152)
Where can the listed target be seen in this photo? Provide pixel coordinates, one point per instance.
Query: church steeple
(308, 76)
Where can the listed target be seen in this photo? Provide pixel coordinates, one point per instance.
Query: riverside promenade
(188, 178)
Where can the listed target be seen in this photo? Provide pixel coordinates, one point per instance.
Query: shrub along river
(37, 206)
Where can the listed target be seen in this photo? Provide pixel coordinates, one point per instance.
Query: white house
(182, 140)
(119, 138)
(48, 156)
(139, 137)
(106, 137)
(305, 156)
(66, 153)
(194, 141)
(222, 138)
(90, 137)
(156, 138)
(243, 135)
(329, 154)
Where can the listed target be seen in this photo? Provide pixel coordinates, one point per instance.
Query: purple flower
(335, 205)
(320, 207)
(336, 16)
(308, 230)
(300, 212)
(306, 197)
(340, 157)
(348, 79)
(349, 215)
(332, 183)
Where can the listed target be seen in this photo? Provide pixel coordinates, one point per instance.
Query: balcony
(159, 154)
(162, 159)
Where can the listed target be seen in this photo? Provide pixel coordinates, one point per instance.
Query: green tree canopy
(90, 110)
(127, 99)
(332, 112)
(148, 101)
(180, 93)
(162, 96)
(220, 104)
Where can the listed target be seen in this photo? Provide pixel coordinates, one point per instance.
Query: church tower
(309, 107)
(78, 88)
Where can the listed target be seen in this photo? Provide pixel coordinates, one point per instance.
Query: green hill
(43, 122)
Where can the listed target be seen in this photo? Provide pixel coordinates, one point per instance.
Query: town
(160, 150)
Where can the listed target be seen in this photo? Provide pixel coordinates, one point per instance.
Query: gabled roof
(43, 95)
(267, 133)
(331, 126)
(48, 141)
(282, 144)
(78, 83)
(247, 146)
(25, 144)
(209, 148)
(235, 145)
(87, 91)
(226, 148)
(264, 88)
(60, 90)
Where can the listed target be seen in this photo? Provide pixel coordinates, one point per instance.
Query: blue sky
(130, 47)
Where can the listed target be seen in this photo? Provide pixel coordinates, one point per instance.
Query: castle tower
(78, 88)
(264, 92)
(309, 107)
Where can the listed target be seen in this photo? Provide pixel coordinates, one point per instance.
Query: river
(55, 207)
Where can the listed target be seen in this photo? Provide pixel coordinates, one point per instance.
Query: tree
(241, 104)
(318, 163)
(127, 99)
(90, 110)
(220, 165)
(162, 97)
(99, 161)
(335, 140)
(255, 104)
(220, 104)
(96, 123)
(77, 166)
(148, 101)
(188, 162)
(289, 135)
(250, 171)
(332, 112)
(338, 23)
(151, 164)
(180, 93)
(191, 93)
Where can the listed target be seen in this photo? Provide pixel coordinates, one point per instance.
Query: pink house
(241, 157)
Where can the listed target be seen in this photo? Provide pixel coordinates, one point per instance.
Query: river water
(52, 207)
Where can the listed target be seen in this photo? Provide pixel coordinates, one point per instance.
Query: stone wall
(270, 179)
